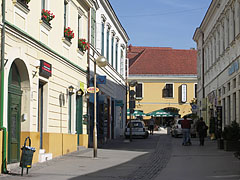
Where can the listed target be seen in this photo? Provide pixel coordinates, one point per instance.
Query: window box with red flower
(68, 34)
(83, 45)
(47, 16)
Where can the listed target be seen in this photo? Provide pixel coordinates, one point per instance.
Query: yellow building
(166, 81)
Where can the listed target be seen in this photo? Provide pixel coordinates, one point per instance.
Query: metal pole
(95, 115)
(130, 126)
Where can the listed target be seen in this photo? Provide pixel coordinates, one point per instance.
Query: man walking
(186, 125)
(202, 130)
(151, 125)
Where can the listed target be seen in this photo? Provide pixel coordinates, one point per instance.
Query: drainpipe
(4, 161)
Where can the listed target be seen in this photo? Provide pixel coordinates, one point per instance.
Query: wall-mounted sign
(233, 68)
(183, 93)
(118, 102)
(91, 90)
(45, 69)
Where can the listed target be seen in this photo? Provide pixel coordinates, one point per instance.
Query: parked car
(176, 129)
(138, 129)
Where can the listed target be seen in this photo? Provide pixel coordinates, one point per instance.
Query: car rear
(138, 129)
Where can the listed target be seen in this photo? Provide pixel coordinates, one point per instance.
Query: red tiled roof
(158, 60)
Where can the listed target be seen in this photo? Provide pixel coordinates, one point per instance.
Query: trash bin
(27, 155)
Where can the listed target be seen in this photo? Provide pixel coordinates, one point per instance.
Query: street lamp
(101, 62)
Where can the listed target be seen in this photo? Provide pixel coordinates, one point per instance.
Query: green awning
(136, 113)
(161, 113)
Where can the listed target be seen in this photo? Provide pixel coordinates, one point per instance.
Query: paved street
(160, 157)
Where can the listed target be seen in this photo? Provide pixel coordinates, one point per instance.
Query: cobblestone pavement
(158, 160)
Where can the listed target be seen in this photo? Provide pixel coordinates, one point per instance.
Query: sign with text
(45, 69)
(91, 90)
(183, 93)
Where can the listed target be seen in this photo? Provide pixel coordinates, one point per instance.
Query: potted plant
(83, 45)
(68, 34)
(231, 136)
(47, 16)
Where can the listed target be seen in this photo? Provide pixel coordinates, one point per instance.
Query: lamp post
(101, 62)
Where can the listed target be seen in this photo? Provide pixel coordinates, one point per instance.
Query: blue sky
(161, 23)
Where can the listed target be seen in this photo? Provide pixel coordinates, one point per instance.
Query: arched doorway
(14, 114)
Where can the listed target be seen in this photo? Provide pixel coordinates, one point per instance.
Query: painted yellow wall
(83, 140)
(153, 100)
(69, 143)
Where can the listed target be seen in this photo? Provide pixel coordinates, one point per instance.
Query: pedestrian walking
(186, 126)
(151, 125)
(202, 130)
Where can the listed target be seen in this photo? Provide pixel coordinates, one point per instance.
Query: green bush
(232, 132)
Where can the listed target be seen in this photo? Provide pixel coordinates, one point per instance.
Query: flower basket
(47, 16)
(68, 34)
(83, 45)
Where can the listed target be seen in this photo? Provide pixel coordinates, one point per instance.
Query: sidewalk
(200, 162)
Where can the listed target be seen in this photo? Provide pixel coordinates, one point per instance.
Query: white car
(177, 129)
(138, 129)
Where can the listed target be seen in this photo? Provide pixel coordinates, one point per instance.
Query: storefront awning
(136, 113)
(161, 113)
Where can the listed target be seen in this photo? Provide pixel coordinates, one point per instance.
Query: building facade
(218, 42)
(108, 39)
(167, 80)
(44, 77)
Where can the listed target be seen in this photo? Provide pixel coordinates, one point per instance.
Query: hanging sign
(45, 69)
(101, 80)
(91, 90)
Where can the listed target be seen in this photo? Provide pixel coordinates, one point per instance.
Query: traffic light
(132, 99)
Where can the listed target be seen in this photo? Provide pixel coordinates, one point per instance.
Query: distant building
(167, 79)
(218, 44)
